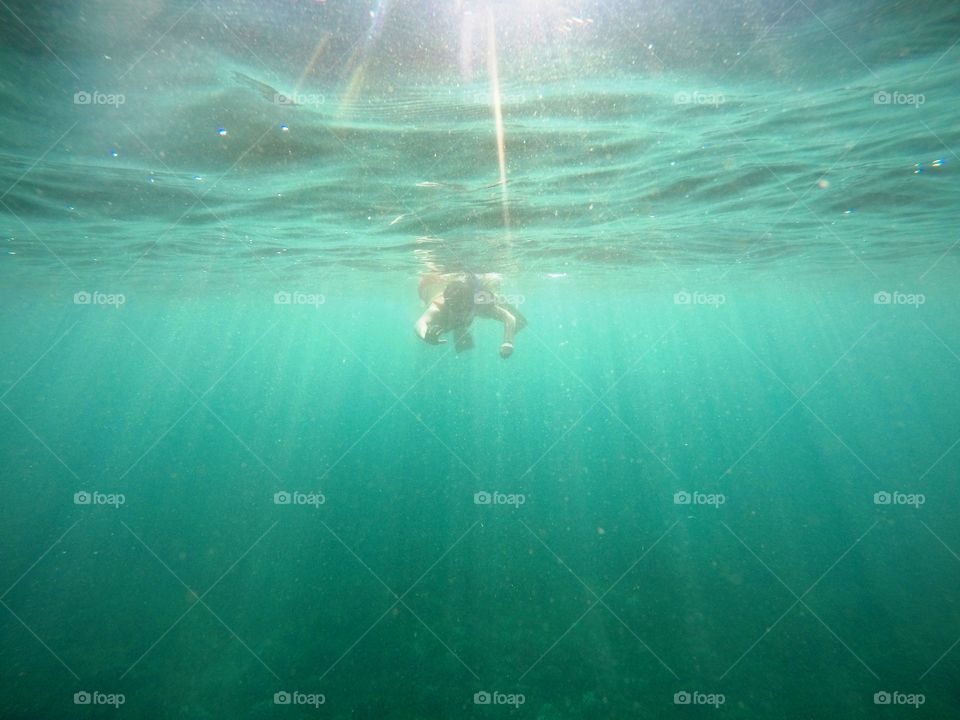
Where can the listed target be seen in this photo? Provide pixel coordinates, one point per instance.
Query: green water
(722, 460)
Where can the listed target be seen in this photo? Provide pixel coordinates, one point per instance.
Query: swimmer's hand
(432, 335)
(506, 350)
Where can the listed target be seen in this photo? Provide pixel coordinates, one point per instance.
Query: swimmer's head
(458, 297)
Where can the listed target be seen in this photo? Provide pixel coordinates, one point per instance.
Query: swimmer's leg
(464, 341)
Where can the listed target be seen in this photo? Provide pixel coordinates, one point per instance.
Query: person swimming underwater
(453, 301)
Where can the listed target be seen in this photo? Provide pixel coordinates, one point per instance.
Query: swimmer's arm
(509, 328)
(422, 327)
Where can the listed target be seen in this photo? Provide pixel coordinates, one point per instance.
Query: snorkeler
(454, 300)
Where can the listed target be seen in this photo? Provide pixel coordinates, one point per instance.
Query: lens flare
(497, 115)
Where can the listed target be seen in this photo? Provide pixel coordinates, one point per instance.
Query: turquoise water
(721, 463)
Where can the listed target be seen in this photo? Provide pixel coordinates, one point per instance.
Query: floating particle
(198, 178)
(284, 127)
(939, 162)
(222, 132)
(848, 211)
(917, 168)
(823, 183)
(113, 152)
